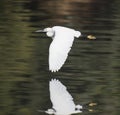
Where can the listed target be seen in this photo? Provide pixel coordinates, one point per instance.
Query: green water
(92, 70)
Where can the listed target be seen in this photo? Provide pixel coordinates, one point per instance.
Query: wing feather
(58, 51)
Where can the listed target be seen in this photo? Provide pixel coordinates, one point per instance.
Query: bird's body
(60, 47)
(63, 38)
(61, 99)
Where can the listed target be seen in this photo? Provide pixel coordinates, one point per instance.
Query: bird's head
(49, 31)
(50, 111)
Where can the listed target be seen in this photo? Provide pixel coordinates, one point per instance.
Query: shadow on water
(91, 71)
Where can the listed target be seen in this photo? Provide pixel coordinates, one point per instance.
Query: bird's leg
(90, 37)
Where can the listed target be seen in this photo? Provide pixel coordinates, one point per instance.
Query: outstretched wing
(60, 97)
(60, 47)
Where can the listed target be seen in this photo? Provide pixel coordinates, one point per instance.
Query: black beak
(40, 31)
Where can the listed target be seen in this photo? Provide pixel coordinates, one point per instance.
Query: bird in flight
(63, 38)
(62, 101)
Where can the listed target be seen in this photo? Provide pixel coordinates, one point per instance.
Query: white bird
(63, 38)
(61, 99)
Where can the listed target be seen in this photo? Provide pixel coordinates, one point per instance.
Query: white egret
(61, 99)
(63, 38)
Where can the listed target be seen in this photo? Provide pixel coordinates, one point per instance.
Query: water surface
(92, 70)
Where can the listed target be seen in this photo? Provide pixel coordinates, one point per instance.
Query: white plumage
(61, 99)
(62, 42)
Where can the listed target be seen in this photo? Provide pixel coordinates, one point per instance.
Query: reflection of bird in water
(62, 42)
(61, 99)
